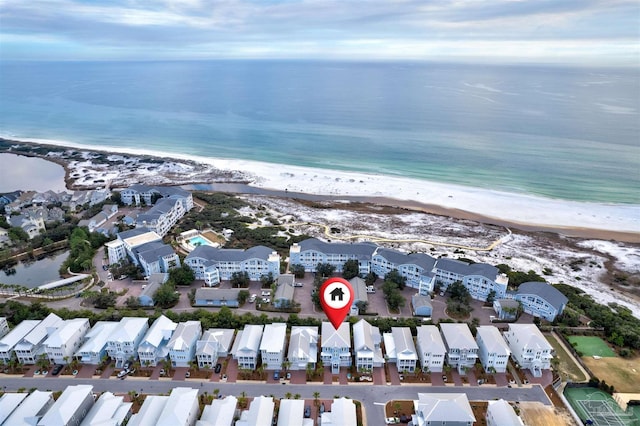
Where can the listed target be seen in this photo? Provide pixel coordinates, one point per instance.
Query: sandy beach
(590, 220)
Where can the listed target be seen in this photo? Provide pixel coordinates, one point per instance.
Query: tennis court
(591, 345)
(593, 405)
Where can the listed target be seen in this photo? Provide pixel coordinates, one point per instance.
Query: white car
(253, 298)
(297, 284)
(266, 293)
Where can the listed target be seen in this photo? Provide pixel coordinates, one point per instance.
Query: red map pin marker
(336, 298)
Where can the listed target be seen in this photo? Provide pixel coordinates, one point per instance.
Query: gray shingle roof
(132, 233)
(151, 252)
(420, 259)
(230, 255)
(364, 250)
(462, 268)
(546, 291)
(205, 293)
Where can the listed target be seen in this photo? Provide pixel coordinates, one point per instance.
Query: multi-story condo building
(417, 268)
(4, 326)
(94, 343)
(214, 264)
(31, 346)
(312, 251)
(462, 350)
(366, 346)
(62, 343)
(335, 346)
(136, 194)
(540, 300)
(431, 348)
(479, 278)
(153, 346)
(529, 347)
(272, 345)
(303, 347)
(182, 346)
(8, 342)
(145, 249)
(247, 346)
(214, 343)
(493, 350)
(122, 344)
(400, 349)
(162, 216)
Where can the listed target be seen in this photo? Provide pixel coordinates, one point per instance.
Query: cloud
(376, 29)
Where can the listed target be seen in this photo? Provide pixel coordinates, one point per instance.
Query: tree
(182, 276)
(166, 296)
(243, 295)
(316, 398)
(240, 279)
(132, 302)
(325, 269)
(362, 306)
(491, 296)
(350, 269)
(395, 277)
(395, 300)
(104, 300)
(370, 278)
(17, 234)
(297, 270)
(267, 280)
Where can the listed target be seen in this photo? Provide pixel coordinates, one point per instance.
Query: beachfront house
(214, 343)
(335, 346)
(462, 349)
(247, 346)
(283, 296)
(366, 345)
(122, 344)
(431, 348)
(65, 340)
(417, 268)
(11, 339)
(109, 410)
(70, 408)
(31, 346)
(501, 413)
(400, 349)
(443, 409)
(529, 347)
(212, 264)
(217, 297)
(360, 296)
(303, 347)
(153, 346)
(492, 349)
(94, 343)
(310, 252)
(343, 413)
(480, 279)
(272, 345)
(149, 195)
(541, 300)
(182, 346)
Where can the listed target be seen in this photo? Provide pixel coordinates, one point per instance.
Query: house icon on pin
(337, 293)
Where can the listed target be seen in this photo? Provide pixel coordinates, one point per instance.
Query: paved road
(372, 397)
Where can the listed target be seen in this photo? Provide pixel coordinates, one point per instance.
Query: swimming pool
(199, 241)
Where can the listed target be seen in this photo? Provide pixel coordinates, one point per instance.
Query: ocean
(561, 133)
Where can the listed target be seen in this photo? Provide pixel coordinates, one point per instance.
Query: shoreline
(620, 222)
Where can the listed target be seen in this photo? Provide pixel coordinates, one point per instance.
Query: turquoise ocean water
(564, 133)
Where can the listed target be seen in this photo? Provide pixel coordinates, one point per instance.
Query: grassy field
(591, 345)
(567, 367)
(623, 374)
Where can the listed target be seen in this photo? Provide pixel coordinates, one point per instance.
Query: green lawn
(591, 345)
(567, 365)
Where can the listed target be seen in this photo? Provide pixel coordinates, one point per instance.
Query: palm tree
(316, 398)
(216, 392)
(287, 395)
(296, 396)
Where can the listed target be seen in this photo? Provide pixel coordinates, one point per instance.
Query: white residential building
(260, 413)
(153, 347)
(272, 345)
(335, 346)
(247, 346)
(417, 268)
(180, 409)
(501, 413)
(72, 406)
(343, 413)
(400, 348)
(366, 345)
(529, 347)
(8, 342)
(94, 343)
(122, 344)
(303, 347)
(312, 251)
(431, 348)
(62, 344)
(31, 409)
(479, 278)
(9, 401)
(442, 409)
(219, 413)
(493, 350)
(145, 249)
(462, 349)
(291, 413)
(182, 346)
(4, 326)
(109, 410)
(215, 343)
(149, 412)
(32, 345)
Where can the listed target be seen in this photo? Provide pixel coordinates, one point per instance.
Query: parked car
(127, 365)
(162, 372)
(187, 374)
(444, 377)
(266, 300)
(266, 293)
(218, 368)
(276, 375)
(288, 376)
(122, 374)
(307, 411)
(253, 298)
(56, 369)
(297, 284)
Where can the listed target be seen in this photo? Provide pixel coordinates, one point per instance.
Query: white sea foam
(500, 205)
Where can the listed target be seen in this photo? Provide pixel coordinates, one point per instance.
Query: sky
(590, 32)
